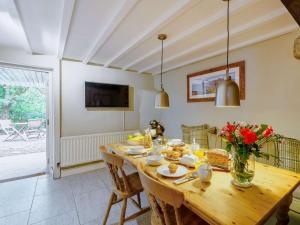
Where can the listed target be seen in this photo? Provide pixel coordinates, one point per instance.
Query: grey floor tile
(16, 196)
(17, 189)
(92, 206)
(105, 177)
(128, 168)
(85, 182)
(15, 205)
(69, 218)
(46, 185)
(52, 204)
(15, 219)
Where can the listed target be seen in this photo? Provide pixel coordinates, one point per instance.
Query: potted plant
(244, 141)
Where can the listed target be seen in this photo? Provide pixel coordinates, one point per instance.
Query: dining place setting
(176, 160)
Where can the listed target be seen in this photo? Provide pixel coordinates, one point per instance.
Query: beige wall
(272, 90)
(78, 120)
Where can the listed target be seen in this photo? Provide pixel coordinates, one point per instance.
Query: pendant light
(162, 98)
(227, 91)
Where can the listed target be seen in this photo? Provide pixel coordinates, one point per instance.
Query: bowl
(154, 160)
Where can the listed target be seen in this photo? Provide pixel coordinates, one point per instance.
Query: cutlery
(190, 177)
(140, 156)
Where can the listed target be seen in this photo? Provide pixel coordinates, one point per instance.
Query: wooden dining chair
(166, 203)
(124, 187)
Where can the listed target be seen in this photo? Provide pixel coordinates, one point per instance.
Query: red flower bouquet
(244, 141)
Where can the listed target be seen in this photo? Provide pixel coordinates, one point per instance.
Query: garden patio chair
(35, 128)
(9, 129)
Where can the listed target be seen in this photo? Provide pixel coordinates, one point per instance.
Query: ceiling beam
(235, 31)
(171, 14)
(201, 25)
(67, 14)
(261, 38)
(16, 17)
(111, 26)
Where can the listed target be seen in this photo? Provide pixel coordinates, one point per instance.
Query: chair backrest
(288, 150)
(164, 201)
(115, 166)
(198, 132)
(35, 123)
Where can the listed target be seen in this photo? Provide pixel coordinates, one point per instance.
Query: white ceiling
(123, 33)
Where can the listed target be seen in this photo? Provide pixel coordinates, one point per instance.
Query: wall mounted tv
(106, 95)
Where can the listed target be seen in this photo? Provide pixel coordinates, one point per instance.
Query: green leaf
(228, 146)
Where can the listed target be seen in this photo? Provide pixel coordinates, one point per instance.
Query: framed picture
(201, 86)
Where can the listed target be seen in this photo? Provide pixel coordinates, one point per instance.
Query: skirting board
(82, 168)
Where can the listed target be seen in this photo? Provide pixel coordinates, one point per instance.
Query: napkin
(188, 160)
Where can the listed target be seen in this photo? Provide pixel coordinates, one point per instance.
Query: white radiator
(85, 148)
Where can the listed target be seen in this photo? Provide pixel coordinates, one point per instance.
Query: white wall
(272, 90)
(77, 120)
(49, 63)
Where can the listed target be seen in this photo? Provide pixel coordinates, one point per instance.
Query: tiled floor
(22, 165)
(74, 200)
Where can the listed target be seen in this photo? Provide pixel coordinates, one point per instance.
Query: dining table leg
(283, 210)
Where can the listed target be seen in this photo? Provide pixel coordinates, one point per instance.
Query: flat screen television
(106, 95)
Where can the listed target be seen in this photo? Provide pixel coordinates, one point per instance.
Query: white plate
(175, 142)
(164, 171)
(136, 150)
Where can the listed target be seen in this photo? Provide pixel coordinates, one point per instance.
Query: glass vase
(242, 170)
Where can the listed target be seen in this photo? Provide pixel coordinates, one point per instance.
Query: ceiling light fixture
(227, 91)
(162, 98)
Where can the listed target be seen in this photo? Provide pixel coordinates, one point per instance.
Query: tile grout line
(77, 213)
(32, 199)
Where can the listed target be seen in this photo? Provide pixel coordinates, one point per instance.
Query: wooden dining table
(220, 202)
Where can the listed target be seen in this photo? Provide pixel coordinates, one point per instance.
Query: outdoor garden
(22, 120)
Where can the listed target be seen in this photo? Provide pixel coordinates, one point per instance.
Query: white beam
(171, 14)
(251, 24)
(115, 21)
(201, 25)
(261, 38)
(15, 15)
(67, 14)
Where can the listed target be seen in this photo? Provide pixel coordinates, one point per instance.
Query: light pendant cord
(227, 57)
(161, 65)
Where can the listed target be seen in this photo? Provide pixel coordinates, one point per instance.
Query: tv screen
(106, 95)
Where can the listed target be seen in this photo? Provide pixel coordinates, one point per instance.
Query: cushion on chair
(289, 154)
(214, 141)
(197, 132)
(270, 149)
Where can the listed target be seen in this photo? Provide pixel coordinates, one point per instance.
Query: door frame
(53, 136)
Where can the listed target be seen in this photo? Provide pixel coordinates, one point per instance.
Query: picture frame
(201, 86)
